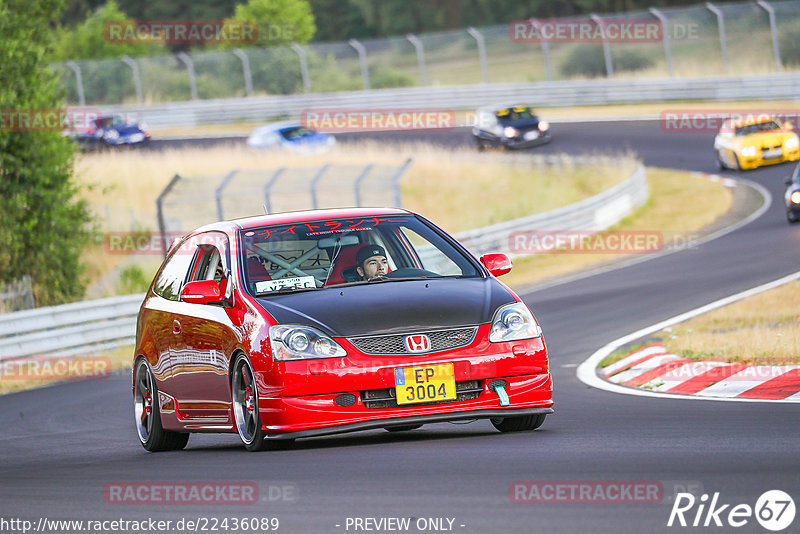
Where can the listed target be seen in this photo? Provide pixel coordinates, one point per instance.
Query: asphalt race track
(62, 445)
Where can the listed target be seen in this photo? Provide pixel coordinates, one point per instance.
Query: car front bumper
(315, 415)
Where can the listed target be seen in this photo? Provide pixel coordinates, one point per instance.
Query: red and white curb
(653, 368)
(728, 384)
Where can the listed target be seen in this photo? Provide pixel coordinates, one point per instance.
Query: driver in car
(372, 263)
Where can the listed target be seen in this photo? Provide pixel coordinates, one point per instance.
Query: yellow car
(750, 143)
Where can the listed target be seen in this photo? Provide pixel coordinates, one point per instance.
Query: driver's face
(374, 266)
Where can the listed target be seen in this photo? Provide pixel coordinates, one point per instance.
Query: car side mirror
(497, 264)
(788, 125)
(201, 292)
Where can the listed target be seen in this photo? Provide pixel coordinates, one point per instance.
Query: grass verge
(679, 206)
(763, 329)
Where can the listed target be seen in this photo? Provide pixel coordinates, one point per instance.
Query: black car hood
(391, 307)
(522, 124)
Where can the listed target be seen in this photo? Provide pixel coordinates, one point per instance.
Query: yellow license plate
(425, 383)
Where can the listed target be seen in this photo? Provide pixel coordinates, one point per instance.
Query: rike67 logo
(774, 510)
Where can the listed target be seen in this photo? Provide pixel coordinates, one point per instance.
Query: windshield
(296, 133)
(517, 114)
(357, 250)
(757, 127)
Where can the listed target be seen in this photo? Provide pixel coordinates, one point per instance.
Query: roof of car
(298, 216)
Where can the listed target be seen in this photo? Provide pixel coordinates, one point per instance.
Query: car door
(201, 351)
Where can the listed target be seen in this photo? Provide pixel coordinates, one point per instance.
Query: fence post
(481, 52)
(78, 80)
(220, 189)
(362, 59)
(722, 41)
(248, 77)
(268, 187)
(357, 183)
(606, 45)
(398, 195)
(303, 66)
(548, 69)
(418, 46)
(160, 212)
(314, 182)
(773, 28)
(190, 70)
(137, 80)
(664, 28)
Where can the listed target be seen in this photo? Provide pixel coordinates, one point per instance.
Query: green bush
(382, 77)
(43, 227)
(589, 60)
(132, 280)
(788, 41)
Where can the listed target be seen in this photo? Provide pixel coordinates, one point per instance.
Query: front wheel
(518, 424)
(148, 417)
(244, 393)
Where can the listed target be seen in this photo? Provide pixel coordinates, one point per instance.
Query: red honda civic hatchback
(320, 322)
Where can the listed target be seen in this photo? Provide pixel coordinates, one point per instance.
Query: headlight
(512, 322)
(795, 198)
(543, 126)
(295, 342)
(510, 131)
(791, 143)
(749, 151)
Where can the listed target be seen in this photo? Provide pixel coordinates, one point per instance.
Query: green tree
(90, 40)
(43, 228)
(279, 21)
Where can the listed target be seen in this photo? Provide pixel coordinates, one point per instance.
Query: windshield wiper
(381, 279)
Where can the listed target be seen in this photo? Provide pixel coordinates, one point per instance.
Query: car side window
(173, 274)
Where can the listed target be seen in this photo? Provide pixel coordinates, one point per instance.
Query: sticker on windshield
(300, 282)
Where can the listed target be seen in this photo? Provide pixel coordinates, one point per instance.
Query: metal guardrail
(70, 329)
(469, 97)
(97, 325)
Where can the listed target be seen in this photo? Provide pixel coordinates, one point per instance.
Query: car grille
(385, 398)
(395, 344)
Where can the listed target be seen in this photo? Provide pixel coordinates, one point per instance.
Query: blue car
(292, 137)
(111, 131)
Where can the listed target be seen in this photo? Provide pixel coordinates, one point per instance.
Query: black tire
(151, 434)
(244, 394)
(518, 424)
(720, 161)
(736, 165)
(791, 218)
(402, 428)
